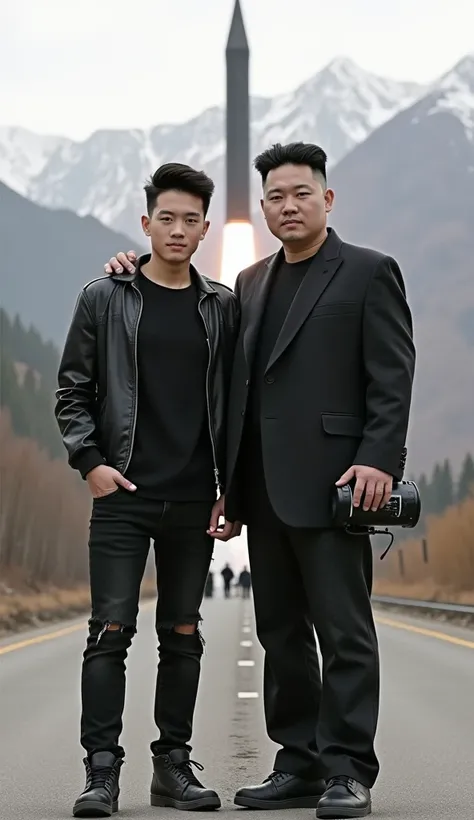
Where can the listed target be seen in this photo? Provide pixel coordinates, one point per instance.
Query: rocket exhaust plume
(238, 246)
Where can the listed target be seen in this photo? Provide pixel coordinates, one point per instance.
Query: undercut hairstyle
(177, 177)
(295, 153)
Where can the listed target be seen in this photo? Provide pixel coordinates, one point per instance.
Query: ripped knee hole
(114, 626)
(185, 629)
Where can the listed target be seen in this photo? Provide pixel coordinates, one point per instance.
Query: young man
(321, 394)
(141, 405)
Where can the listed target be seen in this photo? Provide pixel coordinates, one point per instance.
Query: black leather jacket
(96, 406)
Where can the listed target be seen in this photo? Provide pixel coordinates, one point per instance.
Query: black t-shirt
(172, 454)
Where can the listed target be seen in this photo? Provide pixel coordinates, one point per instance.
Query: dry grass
(44, 516)
(422, 592)
(45, 510)
(23, 607)
(22, 610)
(449, 573)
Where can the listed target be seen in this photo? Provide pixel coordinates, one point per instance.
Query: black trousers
(305, 578)
(121, 527)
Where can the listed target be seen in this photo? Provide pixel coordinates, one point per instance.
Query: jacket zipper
(135, 355)
(208, 403)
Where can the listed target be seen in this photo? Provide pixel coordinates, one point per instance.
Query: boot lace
(185, 774)
(99, 776)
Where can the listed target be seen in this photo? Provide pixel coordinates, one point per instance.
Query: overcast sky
(71, 68)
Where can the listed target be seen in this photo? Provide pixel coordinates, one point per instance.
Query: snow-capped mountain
(338, 108)
(23, 156)
(424, 156)
(454, 94)
(104, 175)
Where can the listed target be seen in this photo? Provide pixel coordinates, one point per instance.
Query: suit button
(269, 379)
(242, 412)
(247, 383)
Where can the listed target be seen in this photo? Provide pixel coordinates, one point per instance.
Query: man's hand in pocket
(104, 480)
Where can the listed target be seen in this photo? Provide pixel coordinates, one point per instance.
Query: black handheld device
(403, 509)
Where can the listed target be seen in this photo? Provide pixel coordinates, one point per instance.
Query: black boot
(174, 784)
(281, 791)
(101, 792)
(344, 797)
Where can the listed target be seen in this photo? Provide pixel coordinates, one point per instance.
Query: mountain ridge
(103, 174)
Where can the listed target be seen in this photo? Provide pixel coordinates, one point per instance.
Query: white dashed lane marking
(246, 629)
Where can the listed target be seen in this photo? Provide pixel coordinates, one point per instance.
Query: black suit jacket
(337, 388)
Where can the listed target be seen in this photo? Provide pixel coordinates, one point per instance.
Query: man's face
(295, 204)
(176, 226)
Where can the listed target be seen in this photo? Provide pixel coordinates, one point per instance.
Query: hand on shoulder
(123, 262)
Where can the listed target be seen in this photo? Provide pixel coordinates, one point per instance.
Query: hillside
(47, 256)
(409, 190)
(28, 375)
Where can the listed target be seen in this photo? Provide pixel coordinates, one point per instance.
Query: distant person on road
(245, 582)
(321, 394)
(141, 406)
(227, 576)
(209, 588)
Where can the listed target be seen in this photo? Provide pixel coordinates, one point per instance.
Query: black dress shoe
(101, 792)
(175, 785)
(344, 797)
(281, 791)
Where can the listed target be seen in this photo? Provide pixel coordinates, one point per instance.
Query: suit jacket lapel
(318, 276)
(258, 300)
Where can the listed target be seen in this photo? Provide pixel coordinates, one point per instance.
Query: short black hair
(174, 176)
(295, 153)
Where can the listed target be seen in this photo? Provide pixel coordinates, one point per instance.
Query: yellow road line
(59, 633)
(430, 633)
(49, 636)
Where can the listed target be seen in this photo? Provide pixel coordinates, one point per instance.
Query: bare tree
(44, 513)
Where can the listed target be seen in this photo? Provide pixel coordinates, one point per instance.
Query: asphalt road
(425, 740)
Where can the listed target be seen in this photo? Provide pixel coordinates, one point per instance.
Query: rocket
(237, 121)
(238, 241)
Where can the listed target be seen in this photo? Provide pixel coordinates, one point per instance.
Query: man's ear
(205, 229)
(328, 199)
(146, 225)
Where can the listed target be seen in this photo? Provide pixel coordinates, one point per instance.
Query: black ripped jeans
(121, 527)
